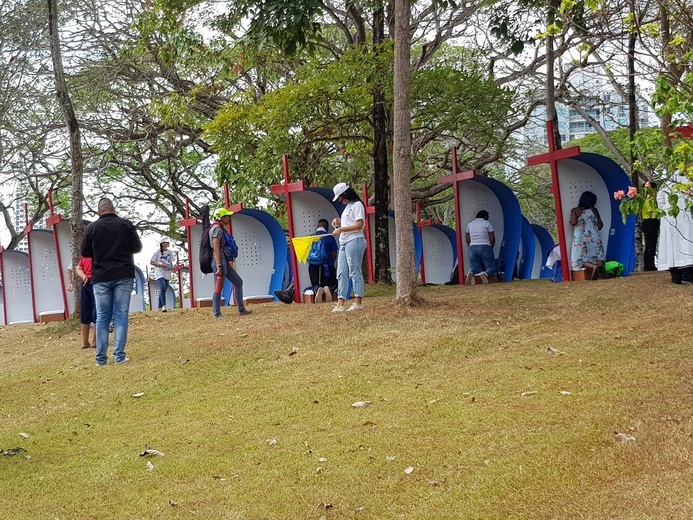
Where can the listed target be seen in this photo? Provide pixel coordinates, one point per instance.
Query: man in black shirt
(111, 243)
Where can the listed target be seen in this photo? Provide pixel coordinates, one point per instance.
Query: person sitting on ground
(480, 238)
(162, 260)
(87, 308)
(587, 251)
(321, 269)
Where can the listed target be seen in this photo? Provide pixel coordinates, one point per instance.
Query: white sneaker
(469, 280)
(328, 294)
(355, 307)
(338, 309)
(163, 309)
(125, 360)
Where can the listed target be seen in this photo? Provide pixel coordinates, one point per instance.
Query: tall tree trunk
(381, 176)
(63, 95)
(551, 114)
(632, 129)
(672, 71)
(406, 272)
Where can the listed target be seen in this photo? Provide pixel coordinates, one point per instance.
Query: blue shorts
(87, 307)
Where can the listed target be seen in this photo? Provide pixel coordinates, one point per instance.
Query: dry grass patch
(254, 414)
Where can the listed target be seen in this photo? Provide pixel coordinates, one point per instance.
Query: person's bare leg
(84, 328)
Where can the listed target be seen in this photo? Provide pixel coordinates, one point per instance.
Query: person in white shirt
(480, 239)
(352, 244)
(163, 261)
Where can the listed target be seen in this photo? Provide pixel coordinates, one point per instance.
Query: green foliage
(638, 202)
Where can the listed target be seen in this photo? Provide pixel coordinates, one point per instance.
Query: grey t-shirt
(216, 231)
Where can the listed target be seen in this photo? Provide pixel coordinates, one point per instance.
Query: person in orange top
(87, 314)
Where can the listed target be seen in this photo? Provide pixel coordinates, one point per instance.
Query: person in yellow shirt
(650, 226)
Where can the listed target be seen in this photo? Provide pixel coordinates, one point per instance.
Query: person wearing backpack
(352, 246)
(321, 269)
(225, 251)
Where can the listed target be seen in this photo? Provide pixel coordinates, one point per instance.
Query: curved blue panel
(418, 243)
(524, 271)
(329, 195)
(140, 282)
(452, 237)
(280, 252)
(512, 223)
(278, 243)
(546, 243)
(621, 245)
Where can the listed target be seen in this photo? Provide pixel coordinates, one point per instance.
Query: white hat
(339, 189)
(165, 240)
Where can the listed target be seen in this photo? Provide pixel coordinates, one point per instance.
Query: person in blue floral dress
(588, 249)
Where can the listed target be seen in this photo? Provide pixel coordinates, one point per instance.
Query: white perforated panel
(154, 296)
(438, 255)
(538, 261)
(17, 287)
(308, 208)
(48, 294)
(474, 197)
(576, 177)
(65, 244)
(255, 262)
(203, 284)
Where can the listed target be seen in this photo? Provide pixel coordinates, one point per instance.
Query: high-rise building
(603, 104)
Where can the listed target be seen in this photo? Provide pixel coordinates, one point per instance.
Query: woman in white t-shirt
(480, 239)
(352, 244)
(162, 261)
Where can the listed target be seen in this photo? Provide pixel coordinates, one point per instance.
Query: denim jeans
(112, 298)
(163, 288)
(481, 259)
(350, 265)
(232, 276)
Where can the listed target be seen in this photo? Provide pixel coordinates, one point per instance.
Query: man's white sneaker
(125, 360)
(355, 307)
(163, 309)
(338, 309)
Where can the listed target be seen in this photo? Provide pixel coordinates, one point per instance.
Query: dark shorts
(87, 307)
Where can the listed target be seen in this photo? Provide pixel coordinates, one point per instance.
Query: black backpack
(206, 253)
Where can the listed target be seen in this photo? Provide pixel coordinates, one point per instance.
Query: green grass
(445, 380)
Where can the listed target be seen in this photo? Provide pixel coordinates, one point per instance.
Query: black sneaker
(244, 312)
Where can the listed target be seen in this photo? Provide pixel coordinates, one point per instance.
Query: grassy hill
(498, 401)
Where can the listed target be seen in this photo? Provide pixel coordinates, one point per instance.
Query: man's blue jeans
(481, 259)
(163, 288)
(112, 299)
(350, 265)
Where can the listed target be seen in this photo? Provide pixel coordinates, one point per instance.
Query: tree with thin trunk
(65, 102)
(406, 272)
